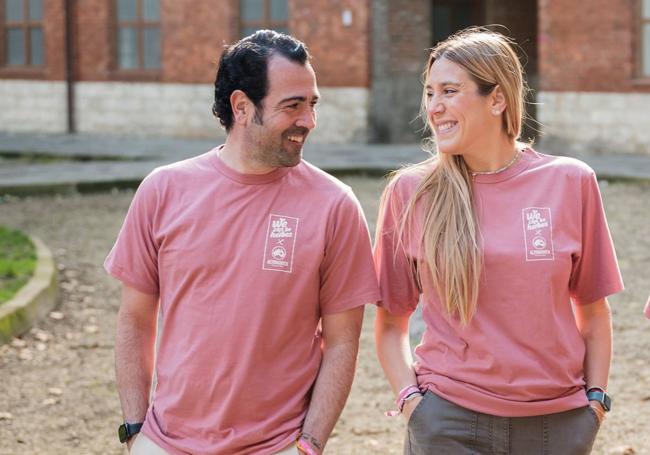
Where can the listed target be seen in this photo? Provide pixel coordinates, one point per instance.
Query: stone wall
(33, 106)
(342, 115)
(147, 109)
(574, 122)
(184, 110)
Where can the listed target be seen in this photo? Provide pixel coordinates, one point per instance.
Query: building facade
(147, 66)
(404, 30)
(595, 75)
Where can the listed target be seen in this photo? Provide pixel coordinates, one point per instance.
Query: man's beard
(279, 151)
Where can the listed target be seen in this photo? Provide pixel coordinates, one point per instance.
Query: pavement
(32, 163)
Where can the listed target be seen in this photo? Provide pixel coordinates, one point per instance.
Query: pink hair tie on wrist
(306, 447)
(402, 397)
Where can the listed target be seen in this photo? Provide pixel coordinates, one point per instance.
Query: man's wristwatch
(602, 397)
(127, 430)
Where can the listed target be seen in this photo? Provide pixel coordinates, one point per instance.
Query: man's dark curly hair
(243, 66)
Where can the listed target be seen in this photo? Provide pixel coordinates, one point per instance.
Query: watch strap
(127, 430)
(602, 397)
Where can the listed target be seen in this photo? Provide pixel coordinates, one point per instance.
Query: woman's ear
(498, 101)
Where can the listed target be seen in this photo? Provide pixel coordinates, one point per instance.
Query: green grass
(17, 262)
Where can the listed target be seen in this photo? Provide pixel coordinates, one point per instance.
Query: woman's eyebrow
(456, 84)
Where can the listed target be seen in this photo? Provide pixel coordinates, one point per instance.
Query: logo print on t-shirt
(280, 243)
(278, 253)
(538, 232)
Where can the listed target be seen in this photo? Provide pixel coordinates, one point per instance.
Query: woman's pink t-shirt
(546, 244)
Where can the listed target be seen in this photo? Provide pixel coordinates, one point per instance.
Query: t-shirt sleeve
(347, 272)
(646, 311)
(595, 273)
(395, 270)
(134, 257)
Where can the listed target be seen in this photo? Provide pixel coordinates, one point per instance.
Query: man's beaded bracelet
(305, 447)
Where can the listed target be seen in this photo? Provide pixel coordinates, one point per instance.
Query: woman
(510, 253)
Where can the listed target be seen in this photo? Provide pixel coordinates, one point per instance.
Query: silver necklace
(514, 159)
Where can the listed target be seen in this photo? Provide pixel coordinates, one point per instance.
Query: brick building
(147, 66)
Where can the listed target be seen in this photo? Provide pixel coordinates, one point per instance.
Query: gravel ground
(57, 390)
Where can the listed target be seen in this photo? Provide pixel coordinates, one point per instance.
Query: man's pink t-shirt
(646, 311)
(245, 266)
(546, 243)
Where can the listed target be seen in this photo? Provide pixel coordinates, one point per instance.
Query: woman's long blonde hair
(449, 242)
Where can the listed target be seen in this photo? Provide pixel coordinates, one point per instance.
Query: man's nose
(307, 119)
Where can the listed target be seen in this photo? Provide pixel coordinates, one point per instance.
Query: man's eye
(291, 106)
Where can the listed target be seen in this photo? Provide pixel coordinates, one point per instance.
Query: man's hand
(314, 444)
(340, 347)
(134, 352)
(130, 442)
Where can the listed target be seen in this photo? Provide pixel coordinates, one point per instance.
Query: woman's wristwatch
(598, 394)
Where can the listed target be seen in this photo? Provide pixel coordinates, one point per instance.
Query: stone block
(611, 122)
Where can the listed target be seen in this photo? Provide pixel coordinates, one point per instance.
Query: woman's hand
(410, 406)
(598, 409)
(594, 321)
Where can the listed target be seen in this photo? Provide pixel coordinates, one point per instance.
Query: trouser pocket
(572, 432)
(438, 426)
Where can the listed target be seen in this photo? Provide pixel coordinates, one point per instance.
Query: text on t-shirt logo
(538, 233)
(280, 243)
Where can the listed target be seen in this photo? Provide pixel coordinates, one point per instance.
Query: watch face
(607, 402)
(601, 397)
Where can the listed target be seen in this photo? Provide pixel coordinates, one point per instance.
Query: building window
(23, 31)
(645, 39)
(138, 34)
(260, 14)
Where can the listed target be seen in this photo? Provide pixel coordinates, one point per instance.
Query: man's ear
(242, 107)
(498, 101)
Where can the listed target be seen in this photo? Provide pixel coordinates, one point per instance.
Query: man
(259, 264)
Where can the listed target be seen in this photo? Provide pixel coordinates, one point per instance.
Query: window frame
(27, 69)
(266, 22)
(140, 73)
(639, 78)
